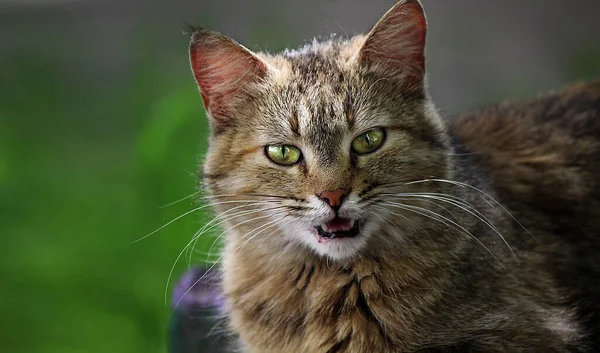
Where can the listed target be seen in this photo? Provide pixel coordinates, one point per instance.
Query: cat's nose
(334, 198)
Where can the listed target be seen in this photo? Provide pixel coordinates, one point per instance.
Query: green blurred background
(101, 125)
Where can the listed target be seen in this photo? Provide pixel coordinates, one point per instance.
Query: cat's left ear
(395, 47)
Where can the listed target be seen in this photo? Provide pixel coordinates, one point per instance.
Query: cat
(357, 220)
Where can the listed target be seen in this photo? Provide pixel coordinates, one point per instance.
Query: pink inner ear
(397, 42)
(223, 69)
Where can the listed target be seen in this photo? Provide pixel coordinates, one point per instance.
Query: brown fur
(474, 280)
(540, 146)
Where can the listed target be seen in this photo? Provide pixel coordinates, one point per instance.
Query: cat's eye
(369, 141)
(283, 154)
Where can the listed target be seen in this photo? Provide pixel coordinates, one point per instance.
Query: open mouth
(339, 228)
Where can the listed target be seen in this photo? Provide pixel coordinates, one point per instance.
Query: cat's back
(542, 158)
(544, 151)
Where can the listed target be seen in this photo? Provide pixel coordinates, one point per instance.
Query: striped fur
(482, 235)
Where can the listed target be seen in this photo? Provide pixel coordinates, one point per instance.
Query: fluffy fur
(480, 236)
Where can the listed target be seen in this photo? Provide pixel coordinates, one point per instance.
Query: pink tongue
(338, 225)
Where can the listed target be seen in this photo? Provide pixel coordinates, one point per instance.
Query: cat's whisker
(220, 216)
(238, 214)
(281, 197)
(385, 218)
(185, 248)
(170, 222)
(469, 209)
(408, 198)
(220, 196)
(382, 196)
(439, 218)
(250, 234)
(274, 223)
(449, 199)
(454, 182)
(192, 286)
(405, 218)
(204, 230)
(205, 257)
(195, 236)
(374, 189)
(279, 226)
(390, 221)
(209, 269)
(185, 214)
(211, 225)
(223, 214)
(181, 199)
(213, 244)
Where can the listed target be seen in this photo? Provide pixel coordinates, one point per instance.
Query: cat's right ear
(395, 47)
(224, 71)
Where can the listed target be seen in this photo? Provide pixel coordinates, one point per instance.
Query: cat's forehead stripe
(349, 109)
(293, 120)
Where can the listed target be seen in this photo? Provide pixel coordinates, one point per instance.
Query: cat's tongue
(338, 225)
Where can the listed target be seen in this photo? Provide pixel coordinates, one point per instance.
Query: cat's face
(311, 140)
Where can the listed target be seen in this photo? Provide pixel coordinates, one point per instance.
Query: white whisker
(407, 219)
(268, 225)
(439, 218)
(181, 199)
(183, 250)
(187, 213)
(209, 225)
(462, 205)
(478, 190)
(207, 271)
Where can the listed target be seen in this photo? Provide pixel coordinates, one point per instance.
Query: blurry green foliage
(84, 169)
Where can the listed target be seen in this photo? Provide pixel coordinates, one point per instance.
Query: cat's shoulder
(544, 150)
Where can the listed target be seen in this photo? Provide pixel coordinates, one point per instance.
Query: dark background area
(101, 124)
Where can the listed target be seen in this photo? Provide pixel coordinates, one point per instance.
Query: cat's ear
(396, 44)
(224, 71)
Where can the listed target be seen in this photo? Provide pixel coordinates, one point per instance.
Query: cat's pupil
(367, 139)
(283, 151)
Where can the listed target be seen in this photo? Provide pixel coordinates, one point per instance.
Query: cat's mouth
(339, 228)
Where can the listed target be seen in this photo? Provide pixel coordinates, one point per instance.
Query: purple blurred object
(197, 289)
(197, 303)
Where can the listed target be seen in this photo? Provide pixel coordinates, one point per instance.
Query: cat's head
(305, 144)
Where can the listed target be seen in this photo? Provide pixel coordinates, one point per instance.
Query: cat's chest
(314, 308)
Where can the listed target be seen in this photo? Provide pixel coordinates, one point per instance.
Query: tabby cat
(358, 221)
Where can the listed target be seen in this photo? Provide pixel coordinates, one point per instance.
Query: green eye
(283, 154)
(368, 142)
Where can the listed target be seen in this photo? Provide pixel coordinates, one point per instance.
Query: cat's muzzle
(339, 228)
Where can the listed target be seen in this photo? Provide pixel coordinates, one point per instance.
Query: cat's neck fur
(357, 304)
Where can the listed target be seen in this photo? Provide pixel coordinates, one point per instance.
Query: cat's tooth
(324, 227)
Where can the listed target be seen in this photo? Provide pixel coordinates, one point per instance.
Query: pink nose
(334, 198)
